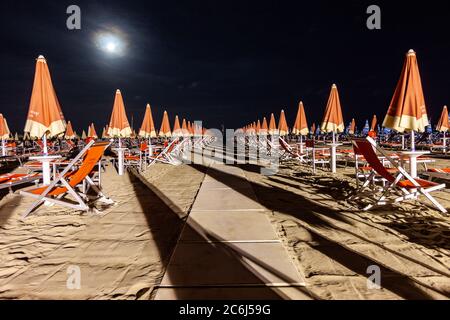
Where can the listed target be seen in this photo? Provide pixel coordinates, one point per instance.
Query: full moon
(111, 43)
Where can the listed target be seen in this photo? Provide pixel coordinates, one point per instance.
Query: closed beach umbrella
(4, 133)
(407, 110)
(16, 137)
(91, 132)
(177, 128)
(69, 135)
(264, 127)
(272, 125)
(83, 135)
(283, 128)
(45, 117)
(352, 127)
(106, 135)
(301, 125)
(148, 126)
(119, 125)
(373, 125)
(184, 128)
(442, 125)
(333, 122)
(165, 131)
(258, 127)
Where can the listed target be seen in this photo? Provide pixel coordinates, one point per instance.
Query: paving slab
(228, 248)
(232, 226)
(231, 264)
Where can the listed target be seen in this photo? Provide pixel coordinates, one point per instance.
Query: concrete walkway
(228, 248)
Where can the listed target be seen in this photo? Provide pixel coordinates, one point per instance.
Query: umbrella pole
(3, 148)
(333, 154)
(120, 158)
(301, 144)
(45, 164)
(403, 141)
(413, 142)
(445, 143)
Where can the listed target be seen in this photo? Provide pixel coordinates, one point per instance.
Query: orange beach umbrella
(407, 110)
(148, 126)
(119, 125)
(264, 128)
(373, 125)
(165, 131)
(283, 128)
(352, 127)
(91, 132)
(272, 125)
(442, 125)
(4, 129)
(44, 115)
(333, 120)
(177, 128)
(70, 134)
(300, 125)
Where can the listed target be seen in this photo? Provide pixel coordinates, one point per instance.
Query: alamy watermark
(374, 279)
(73, 22)
(73, 278)
(374, 20)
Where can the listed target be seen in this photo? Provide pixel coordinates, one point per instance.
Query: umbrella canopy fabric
(44, 115)
(300, 125)
(165, 131)
(373, 124)
(352, 127)
(69, 135)
(177, 132)
(119, 125)
(106, 135)
(264, 127)
(258, 127)
(283, 128)
(91, 132)
(407, 110)
(148, 126)
(333, 120)
(184, 128)
(272, 125)
(442, 125)
(4, 129)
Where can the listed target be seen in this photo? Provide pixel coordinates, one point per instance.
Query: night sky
(225, 62)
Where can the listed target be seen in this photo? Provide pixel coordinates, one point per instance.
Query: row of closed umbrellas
(406, 112)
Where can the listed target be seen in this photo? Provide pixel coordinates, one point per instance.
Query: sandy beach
(123, 251)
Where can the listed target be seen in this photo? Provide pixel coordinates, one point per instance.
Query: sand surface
(333, 242)
(121, 253)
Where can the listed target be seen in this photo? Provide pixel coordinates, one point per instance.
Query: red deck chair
(166, 156)
(402, 185)
(289, 153)
(10, 180)
(68, 181)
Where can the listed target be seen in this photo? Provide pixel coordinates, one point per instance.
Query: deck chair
(290, 153)
(401, 186)
(437, 173)
(69, 180)
(166, 156)
(10, 180)
(315, 155)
